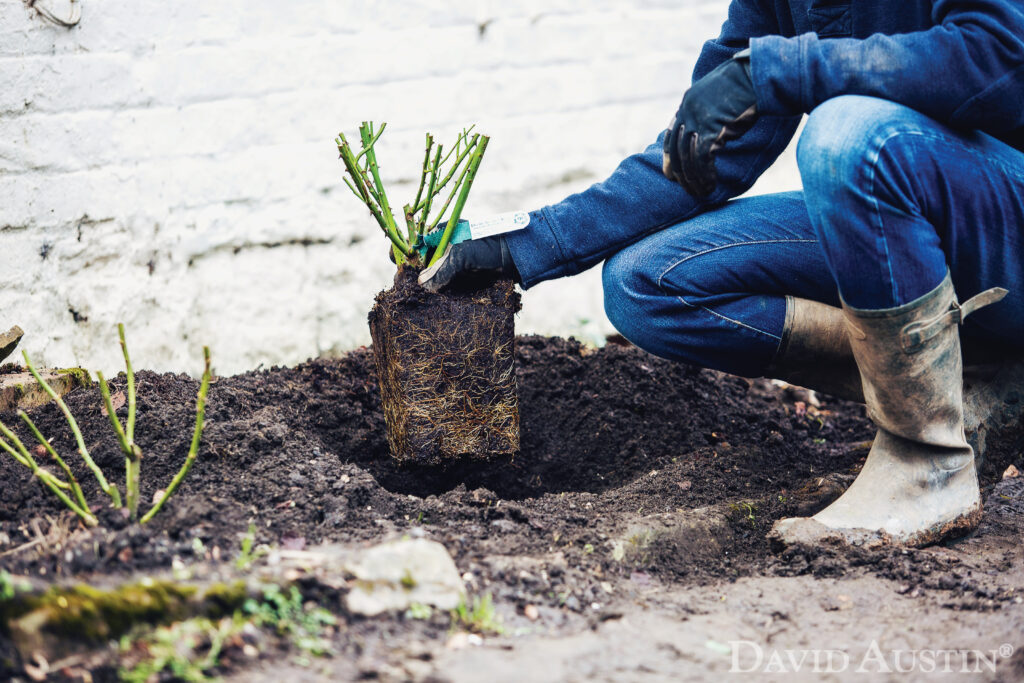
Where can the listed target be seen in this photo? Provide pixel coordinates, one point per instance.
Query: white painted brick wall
(170, 164)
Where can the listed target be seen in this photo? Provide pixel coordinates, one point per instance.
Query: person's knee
(628, 295)
(841, 140)
(643, 305)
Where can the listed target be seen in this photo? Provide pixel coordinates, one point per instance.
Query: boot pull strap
(915, 335)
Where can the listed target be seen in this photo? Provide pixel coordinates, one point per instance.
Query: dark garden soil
(611, 438)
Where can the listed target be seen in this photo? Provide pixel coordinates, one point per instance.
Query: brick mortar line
(50, 170)
(663, 57)
(714, 7)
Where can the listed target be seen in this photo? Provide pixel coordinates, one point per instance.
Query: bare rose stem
(455, 190)
(365, 183)
(193, 450)
(60, 461)
(130, 378)
(22, 455)
(108, 489)
(367, 187)
(369, 140)
(125, 436)
(471, 169)
(410, 210)
(470, 144)
(424, 208)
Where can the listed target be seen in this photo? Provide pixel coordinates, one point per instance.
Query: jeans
(891, 200)
(896, 198)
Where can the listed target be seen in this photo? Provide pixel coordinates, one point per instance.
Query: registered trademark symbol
(1005, 650)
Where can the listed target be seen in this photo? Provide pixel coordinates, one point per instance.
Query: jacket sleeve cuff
(778, 67)
(536, 251)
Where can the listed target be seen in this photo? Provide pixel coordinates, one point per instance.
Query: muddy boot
(919, 484)
(993, 397)
(815, 351)
(815, 354)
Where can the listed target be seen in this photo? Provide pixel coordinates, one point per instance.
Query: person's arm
(636, 200)
(967, 71)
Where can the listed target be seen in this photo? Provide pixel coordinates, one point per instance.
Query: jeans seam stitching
(925, 135)
(877, 154)
(665, 272)
(953, 141)
(727, 318)
(676, 220)
(893, 288)
(558, 268)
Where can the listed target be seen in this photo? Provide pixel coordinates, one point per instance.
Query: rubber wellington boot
(815, 354)
(919, 484)
(815, 351)
(993, 397)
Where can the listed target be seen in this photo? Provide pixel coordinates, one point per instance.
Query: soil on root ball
(445, 365)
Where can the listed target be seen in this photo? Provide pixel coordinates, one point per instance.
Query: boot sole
(808, 531)
(959, 527)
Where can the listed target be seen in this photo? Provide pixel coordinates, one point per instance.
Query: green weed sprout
(68, 490)
(250, 552)
(189, 650)
(478, 616)
(439, 170)
(285, 612)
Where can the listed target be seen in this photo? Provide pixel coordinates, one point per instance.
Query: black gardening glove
(720, 107)
(473, 264)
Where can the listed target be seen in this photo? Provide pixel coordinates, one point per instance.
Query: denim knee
(628, 296)
(865, 165)
(840, 142)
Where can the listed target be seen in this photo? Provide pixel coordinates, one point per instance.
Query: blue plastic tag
(461, 233)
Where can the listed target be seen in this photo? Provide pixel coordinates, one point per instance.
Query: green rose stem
(108, 489)
(60, 461)
(365, 182)
(471, 169)
(125, 436)
(22, 455)
(193, 450)
(459, 158)
(451, 195)
(369, 140)
(421, 224)
(410, 210)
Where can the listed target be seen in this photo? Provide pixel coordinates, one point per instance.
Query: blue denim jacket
(960, 62)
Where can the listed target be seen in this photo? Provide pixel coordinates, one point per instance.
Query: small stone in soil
(394, 575)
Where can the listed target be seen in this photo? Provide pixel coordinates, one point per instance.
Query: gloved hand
(720, 107)
(473, 264)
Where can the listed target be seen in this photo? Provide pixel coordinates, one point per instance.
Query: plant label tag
(498, 225)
